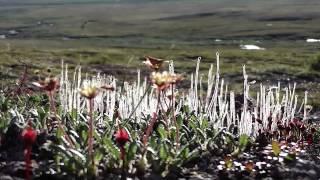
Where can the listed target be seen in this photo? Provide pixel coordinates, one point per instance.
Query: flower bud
(121, 137)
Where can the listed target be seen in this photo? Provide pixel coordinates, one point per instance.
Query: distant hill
(71, 1)
(35, 2)
(230, 2)
(160, 21)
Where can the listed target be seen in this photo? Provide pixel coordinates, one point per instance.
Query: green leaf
(276, 148)
(186, 109)
(162, 132)
(111, 148)
(42, 113)
(132, 150)
(228, 162)
(186, 129)
(150, 149)
(183, 137)
(74, 114)
(59, 133)
(290, 157)
(193, 154)
(192, 124)
(98, 155)
(74, 137)
(243, 142)
(184, 152)
(201, 133)
(172, 132)
(163, 152)
(78, 154)
(4, 104)
(153, 141)
(142, 164)
(204, 124)
(62, 149)
(179, 120)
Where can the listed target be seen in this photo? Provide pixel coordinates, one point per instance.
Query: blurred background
(277, 40)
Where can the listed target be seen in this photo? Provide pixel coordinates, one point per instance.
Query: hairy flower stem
(28, 162)
(90, 138)
(158, 102)
(172, 102)
(52, 105)
(173, 115)
(54, 112)
(152, 122)
(122, 157)
(51, 101)
(164, 116)
(149, 129)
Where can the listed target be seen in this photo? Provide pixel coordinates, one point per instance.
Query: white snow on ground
(13, 32)
(251, 47)
(313, 40)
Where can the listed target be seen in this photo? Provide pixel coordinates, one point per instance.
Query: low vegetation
(75, 126)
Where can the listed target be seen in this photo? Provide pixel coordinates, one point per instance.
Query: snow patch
(12, 32)
(251, 47)
(313, 40)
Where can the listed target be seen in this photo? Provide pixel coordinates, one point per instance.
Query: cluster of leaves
(159, 156)
(295, 130)
(20, 109)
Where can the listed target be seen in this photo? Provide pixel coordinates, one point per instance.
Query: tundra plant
(134, 101)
